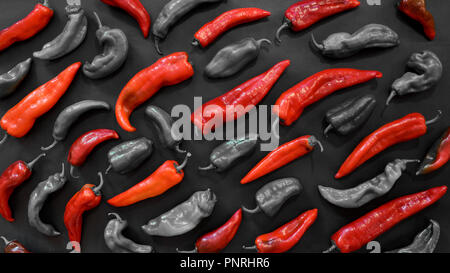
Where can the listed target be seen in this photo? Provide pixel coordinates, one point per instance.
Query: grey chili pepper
(170, 14)
(350, 115)
(69, 115)
(37, 199)
(10, 80)
(369, 190)
(226, 154)
(115, 51)
(232, 58)
(163, 123)
(128, 155)
(184, 217)
(116, 242)
(270, 197)
(424, 242)
(71, 37)
(428, 71)
(342, 44)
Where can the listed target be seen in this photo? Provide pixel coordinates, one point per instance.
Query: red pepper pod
(293, 101)
(417, 10)
(169, 70)
(281, 156)
(26, 28)
(14, 246)
(437, 156)
(227, 20)
(368, 227)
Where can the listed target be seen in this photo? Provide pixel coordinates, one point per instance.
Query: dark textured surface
(316, 168)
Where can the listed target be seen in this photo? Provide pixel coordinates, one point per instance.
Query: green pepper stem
(117, 216)
(99, 187)
(391, 96)
(195, 42)
(281, 28)
(187, 251)
(178, 149)
(31, 164)
(253, 247)
(435, 119)
(5, 137)
(207, 168)
(255, 210)
(63, 169)
(7, 242)
(99, 22)
(72, 168)
(332, 249)
(108, 169)
(156, 41)
(316, 44)
(315, 141)
(49, 146)
(261, 41)
(182, 165)
(45, 3)
(329, 128)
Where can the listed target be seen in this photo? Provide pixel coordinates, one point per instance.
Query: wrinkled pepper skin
(128, 155)
(350, 115)
(428, 70)
(417, 10)
(358, 233)
(365, 192)
(234, 57)
(19, 120)
(136, 10)
(168, 70)
(115, 51)
(10, 80)
(14, 246)
(70, 38)
(118, 243)
(184, 217)
(343, 44)
(272, 196)
(227, 20)
(437, 156)
(424, 242)
(281, 156)
(26, 28)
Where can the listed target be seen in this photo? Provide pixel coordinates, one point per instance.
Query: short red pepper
(14, 246)
(437, 156)
(417, 10)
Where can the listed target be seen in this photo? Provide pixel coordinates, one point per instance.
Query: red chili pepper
(11, 178)
(293, 101)
(86, 199)
(165, 177)
(227, 20)
(135, 9)
(365, 229)
(437, 156)
(240, 99)
(305, 13)
(417, 10)
(26, 28)
(169, 70)
(409, 127)
(285, 237)
(281, 156)
(14, 246)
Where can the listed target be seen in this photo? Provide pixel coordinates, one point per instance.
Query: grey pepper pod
(424, 242)
(184, 217)
(234, 57)
(343, 44)
(10, 80)
(128, 155)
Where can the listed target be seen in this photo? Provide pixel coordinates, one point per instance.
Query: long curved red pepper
(227, 20)
(285, 237)
(135, 9)
(368, 227)
(165, 177)
(86, 199)
(417, 10)
(281, 156)
(26, 28)
(438, 155)
(11, 178)
(169, 70)
(305, 13)
(246, 95)
(409, 127)
(293, 101)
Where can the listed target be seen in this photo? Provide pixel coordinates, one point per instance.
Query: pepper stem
(255, 210)
(187, 251)
(261, 41)
(45, 3)
(410, 161)
(49, 146)
(281, 28)
(63, 169)
(182, 165)
(332, 249)
(391, 96)
(117, 216)
(7, 242)
(249, 247)
(315, 43)
(435, 119)
(315, 141)
(207, 168)
(72, 168)
(5, 137)
(156, 41)
(195, 42)
(31, 164)
(329, 128)
(99, 22)
(178, 149)
(99, 187)
(108, 169)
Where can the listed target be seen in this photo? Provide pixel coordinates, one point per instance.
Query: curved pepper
(10, 80)
(169, 70)
(26, 28)
(281, 156)
(424, 242)
(409, 127)
(128, 155)
(343, 44)
(136, 10)
(14, 246)
(305, 13)
(227, 20)
(417, 10)
(437, 156)
(316, 87)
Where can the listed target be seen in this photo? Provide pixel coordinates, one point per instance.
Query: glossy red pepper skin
(84, 144)
(169, 70)
(19, 120)
(26, 28)
(417, 10)
(135, 9)
(15, 247)
(368, 227)
(438, 155)
(406, 128)
(227, 20)
(316, 87)
(246, 95)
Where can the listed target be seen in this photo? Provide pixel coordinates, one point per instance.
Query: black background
(316, 168)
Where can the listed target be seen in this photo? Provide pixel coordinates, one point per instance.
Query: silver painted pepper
(424, 242)
(10, 80)
(128, 155)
